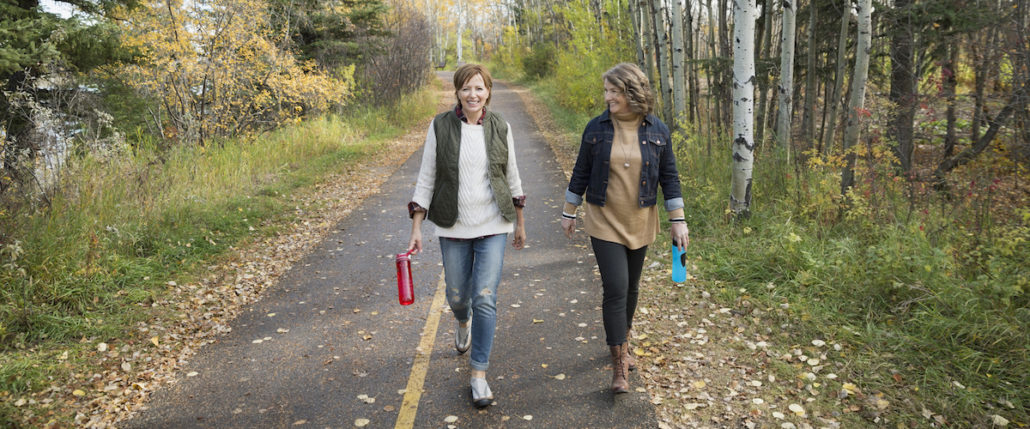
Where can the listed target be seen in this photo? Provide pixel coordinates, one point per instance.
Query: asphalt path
(329, 345)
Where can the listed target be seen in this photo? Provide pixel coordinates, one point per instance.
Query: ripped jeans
(472, 271)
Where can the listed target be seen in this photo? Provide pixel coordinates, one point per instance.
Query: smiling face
(473, 96)
(616, 100)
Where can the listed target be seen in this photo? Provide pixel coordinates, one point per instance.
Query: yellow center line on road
(406, 417)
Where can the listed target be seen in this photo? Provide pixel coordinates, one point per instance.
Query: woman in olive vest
(469, 186)
(624, 156)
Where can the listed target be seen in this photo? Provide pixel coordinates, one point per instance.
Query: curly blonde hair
(634, 83)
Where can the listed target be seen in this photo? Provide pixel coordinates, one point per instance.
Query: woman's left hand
(680, 235)
(519, 240)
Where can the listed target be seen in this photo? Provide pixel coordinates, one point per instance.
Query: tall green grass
(121, 227)
(934, 311)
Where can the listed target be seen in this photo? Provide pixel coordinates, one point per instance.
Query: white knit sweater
(478, 214)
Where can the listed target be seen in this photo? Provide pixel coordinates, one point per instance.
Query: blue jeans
(472, 271)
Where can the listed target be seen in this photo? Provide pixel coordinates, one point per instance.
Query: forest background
(142, 140)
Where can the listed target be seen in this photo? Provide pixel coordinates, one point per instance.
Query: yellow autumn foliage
(216, 68)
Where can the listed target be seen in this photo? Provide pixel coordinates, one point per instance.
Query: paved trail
(332, 333)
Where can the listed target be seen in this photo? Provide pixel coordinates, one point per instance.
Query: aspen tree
(679, 85)
(786, 75)
(856, 107)
(744, 12)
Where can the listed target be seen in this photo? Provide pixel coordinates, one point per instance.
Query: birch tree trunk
(786, 75)
(764, 51)
(661, 24)
(638, 38)
(461, 25)
(659, 49)
(647, 34)
(743, 105)
(692, 90)
(838, 81)
(712, 79)
(679, 86)
(856, 107)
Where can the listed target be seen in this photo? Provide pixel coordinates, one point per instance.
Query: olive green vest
(443, 208)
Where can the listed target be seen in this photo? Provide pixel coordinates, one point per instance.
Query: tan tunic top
(621, 219)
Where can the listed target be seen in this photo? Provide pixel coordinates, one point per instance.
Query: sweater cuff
(570, 209)
(676, 215)
(413, 208)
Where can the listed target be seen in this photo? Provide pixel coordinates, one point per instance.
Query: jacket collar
(649, 119)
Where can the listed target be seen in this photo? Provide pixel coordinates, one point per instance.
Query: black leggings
(620, 275)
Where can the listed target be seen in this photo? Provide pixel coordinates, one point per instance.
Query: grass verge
(124, 229)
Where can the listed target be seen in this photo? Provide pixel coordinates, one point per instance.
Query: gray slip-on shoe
(481, 395)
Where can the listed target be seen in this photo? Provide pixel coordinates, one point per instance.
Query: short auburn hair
(465, 73)
(634, 83)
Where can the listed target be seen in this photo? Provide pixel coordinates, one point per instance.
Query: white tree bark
(647, 36)
(461, 29)
(783, 131)
(744, 15)
(679, 85)
(662, 48)
(856, 107)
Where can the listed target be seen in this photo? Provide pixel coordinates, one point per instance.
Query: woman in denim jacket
(624, 155)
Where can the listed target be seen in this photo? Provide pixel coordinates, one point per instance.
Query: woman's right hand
(569, 226)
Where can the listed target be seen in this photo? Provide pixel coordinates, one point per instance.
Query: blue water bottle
(679, 264)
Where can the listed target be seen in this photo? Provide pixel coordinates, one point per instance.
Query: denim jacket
(590, 175)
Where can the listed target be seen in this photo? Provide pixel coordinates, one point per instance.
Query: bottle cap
(404, 256)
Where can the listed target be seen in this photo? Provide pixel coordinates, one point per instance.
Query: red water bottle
(405, 286)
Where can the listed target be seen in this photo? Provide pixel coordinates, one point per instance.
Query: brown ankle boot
(619, 382)
(631, 361)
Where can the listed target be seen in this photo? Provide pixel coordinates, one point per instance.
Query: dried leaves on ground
(129, 372)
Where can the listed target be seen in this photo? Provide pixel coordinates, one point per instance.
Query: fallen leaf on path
(797, 409)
